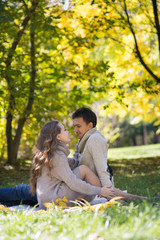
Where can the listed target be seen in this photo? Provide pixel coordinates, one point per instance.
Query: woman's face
(63, 136)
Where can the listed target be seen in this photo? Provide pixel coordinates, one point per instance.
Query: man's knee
(82, 171)
(84, 168)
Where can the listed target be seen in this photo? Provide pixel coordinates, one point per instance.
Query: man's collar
(85, 137)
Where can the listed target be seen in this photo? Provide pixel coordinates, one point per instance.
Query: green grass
(140, 222)
(134, 221)
(146, 151)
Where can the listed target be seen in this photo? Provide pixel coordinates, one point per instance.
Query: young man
(91, 151)
(92, 147)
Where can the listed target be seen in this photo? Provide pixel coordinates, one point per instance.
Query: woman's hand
(107, 192)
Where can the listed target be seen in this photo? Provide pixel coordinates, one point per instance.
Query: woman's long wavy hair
(46, 146)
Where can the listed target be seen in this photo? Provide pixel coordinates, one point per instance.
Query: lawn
(136, 170)
(145, 151)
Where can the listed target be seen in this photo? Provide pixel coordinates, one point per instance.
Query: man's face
(81, 127)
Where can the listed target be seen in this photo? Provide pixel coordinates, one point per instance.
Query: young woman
(52, 176)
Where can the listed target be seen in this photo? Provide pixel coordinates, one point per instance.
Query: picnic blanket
(98, 204)
(23, 207)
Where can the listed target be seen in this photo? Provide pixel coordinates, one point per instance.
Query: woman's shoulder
(62, 149)
(59, 160)
(59, 154)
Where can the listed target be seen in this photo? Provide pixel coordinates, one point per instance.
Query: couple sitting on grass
(54, 176)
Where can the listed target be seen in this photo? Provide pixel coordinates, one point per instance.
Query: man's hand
(107, 192)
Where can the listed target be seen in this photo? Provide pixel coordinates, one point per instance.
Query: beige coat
(93, 153)
(64, 181)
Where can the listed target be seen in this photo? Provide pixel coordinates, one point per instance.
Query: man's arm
(74, 161)
(98, 149)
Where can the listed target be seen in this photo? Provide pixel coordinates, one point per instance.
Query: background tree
(131, 44)
(10, 73)
(138, 21)
(58, 76)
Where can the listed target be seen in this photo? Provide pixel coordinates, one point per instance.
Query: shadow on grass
(10, 176)
(141, 165)
(137, 176)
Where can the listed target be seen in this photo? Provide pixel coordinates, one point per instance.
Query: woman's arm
(73, 163)
(65, 174)
(127, 196)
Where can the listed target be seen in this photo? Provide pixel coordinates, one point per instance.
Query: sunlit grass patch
(145, 151)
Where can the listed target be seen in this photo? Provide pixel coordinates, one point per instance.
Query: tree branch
(146, 11)
(25, 5)
(136, 46)
(17, 39)
(157, 26)
(118, 41)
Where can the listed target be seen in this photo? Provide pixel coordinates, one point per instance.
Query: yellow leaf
(97, 207)
(61, 202)
(115, 198)
(84, 202)
(49, 205)
(65, 199)
(40, 211)
(3, 208)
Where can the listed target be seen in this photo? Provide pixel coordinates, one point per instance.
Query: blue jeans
(20, 194)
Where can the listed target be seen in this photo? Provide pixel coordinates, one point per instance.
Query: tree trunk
(9, 136)
(13, 153)
(13, 143)
(144, 134)
(134, 142)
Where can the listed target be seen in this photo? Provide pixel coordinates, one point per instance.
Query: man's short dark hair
(87, 114)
